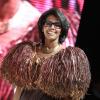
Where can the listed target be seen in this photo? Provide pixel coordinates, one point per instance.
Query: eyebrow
(52, 21)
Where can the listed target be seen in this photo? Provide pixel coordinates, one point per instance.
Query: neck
(51, 47)
(8, 9)
(51, 44)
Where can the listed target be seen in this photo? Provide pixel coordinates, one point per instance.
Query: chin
(51, 39)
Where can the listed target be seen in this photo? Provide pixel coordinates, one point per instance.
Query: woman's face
(52, 28)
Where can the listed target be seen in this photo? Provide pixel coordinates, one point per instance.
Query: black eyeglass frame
(56, 24)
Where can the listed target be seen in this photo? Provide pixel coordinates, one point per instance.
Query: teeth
(50, 32)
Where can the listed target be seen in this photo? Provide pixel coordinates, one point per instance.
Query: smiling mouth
(51, 32)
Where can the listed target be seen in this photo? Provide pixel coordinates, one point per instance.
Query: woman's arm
(17, 93)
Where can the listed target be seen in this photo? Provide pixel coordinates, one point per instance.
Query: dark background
(89, 40)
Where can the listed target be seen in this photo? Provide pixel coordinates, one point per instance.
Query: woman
(47, 70)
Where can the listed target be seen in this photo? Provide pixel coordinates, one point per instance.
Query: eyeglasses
(50, 23)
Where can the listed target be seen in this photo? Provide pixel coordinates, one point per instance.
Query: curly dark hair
(64, 23)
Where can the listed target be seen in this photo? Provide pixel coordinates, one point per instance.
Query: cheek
(44, 30)
(59, 32)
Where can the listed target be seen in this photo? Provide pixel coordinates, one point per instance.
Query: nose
(52, 26)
